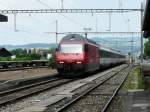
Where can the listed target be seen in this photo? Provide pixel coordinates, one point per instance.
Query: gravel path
(28, 73)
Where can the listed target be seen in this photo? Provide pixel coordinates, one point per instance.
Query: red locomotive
(77, 55)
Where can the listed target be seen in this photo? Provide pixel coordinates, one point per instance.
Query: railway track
(21, 68)
(20, 65)
(12, 95)
(98, 97)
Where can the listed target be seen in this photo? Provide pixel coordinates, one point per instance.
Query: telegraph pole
(141, 32)
(132, 52)
(120, 4)
(56, 32)
(128, 22)
(86, 31)
(15, 26)
(62, 4)
(96, 25)
(109, 21)
(109, 29)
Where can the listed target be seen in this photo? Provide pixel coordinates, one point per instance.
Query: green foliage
(147, 49)
(34, 56)
(21, 55)
(135, 80)
(19, 52)
(52, 59)
(140, 78)
(5, 59)
(52, 50)
(52, 63)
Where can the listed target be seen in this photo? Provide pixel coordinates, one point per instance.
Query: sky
(33, 28)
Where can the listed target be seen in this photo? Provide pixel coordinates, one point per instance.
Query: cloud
(32, 26)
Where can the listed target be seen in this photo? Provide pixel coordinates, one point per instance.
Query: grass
(135, 80)
(140, 78)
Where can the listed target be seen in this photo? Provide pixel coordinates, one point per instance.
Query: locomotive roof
(77, 37)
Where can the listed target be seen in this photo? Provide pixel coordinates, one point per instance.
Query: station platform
(138, 101)
(146, 69)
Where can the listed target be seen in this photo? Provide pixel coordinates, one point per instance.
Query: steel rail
(114, 94)
(26, 87)
(22, 68)
(86, 92)
(22, 92)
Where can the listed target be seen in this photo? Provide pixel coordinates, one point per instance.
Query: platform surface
(138, 101)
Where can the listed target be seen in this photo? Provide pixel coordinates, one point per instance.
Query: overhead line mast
(70, 11)
(62, 4)
(128, 33)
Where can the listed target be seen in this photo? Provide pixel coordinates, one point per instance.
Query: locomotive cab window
(71, 48)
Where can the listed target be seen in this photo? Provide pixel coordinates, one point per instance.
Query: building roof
(4, 53)
(146, 22)
(3, 18)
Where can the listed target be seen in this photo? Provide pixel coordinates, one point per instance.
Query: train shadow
(72, 75)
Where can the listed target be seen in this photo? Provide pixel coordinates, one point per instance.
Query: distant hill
(29, 46)
(125, 47)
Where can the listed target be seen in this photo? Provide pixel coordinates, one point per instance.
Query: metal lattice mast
(69, 11)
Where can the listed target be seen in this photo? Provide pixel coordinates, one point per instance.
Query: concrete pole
(109, 21)
(142, 32)
(132, 52)
(62, 4)
(96, 25)
(15, 26)
(142, 14)
(56, 32)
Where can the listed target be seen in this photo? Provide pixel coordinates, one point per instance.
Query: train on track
(77, 55)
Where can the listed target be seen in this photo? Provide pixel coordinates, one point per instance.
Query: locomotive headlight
(61, 62)
(78, 62)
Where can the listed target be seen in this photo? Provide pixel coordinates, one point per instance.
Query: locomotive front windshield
(71, 48)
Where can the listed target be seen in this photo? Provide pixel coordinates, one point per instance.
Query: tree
(21, 55)
(35, 56)
(52, 59)
(147, 48)
(19, 51)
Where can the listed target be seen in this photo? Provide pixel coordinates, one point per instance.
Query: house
(4, 53)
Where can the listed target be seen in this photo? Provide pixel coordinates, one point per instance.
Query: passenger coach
(77, 55)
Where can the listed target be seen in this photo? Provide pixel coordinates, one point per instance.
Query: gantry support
(69, 11)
